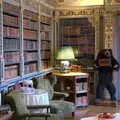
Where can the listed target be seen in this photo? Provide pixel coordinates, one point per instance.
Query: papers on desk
(89, 118)
(117, 117)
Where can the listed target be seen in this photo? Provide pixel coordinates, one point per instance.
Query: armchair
(27, 112)
(62, 107)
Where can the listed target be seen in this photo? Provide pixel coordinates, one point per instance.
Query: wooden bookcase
(30, 36)
(45, 36)
(80, 34)
(11, 40)
(75, 84)
(25, 43)
(81, 88)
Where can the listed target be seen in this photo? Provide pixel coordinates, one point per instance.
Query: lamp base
(64, 69)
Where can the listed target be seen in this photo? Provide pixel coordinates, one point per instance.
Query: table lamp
(65, 54)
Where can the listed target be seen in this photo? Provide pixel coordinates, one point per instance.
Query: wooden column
(108, 40)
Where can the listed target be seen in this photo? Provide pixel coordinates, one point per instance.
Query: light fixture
(65, 54)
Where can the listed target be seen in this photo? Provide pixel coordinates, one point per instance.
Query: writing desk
(75, 84)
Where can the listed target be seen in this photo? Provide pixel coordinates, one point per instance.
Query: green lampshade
(65, 53)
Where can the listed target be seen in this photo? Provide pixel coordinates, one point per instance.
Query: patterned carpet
(92, 110)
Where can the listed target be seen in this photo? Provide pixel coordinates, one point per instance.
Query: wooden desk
(75, 84)
(80, 74)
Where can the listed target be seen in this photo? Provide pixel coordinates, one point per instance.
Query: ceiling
(79, 2)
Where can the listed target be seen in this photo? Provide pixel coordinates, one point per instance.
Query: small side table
(75, 84)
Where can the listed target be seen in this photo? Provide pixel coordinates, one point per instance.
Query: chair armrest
(39, 115)
(38, 106)
(34, 115)
(60, 95)
(35, 107)
(48, 107)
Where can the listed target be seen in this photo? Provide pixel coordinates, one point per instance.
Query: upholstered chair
(16, 99)
(62, 107)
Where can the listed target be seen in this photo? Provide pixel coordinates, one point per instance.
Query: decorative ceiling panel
(79, 2)
(49, 2)
(15, 2)
(33, 4)
(45, 10)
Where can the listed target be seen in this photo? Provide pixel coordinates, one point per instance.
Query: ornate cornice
(48, 3)
(30, 5)
(13, 2)
(84, 11)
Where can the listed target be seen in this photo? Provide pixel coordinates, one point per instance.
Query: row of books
(76, 21)
(30, 24)
(45, 45)
(84, 48)
(44, 27)
(87, 49)
(82, 100)
(78, 41)
(14, 32)
(45, 54)
(29, 34)
(30, 45)
(8, 8)
(88, 32)
(11, 71)
(11, 20)
(77, 25)
(81, 86)
(1, 44)
(30, 15)
(74, 30)
(29, 68)
(10, 32)
(11, 57)
(77, 32)
(45, 19)
(11, 44)
(45, 35)
(30, 56)
(45, 64)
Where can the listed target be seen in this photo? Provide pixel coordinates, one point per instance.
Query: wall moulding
(80, 12)
(30, 5)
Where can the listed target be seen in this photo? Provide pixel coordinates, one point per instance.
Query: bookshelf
(30, 36)
(11, 40)
(81, 91)
(25, 44)
(45, 36)
(75, 84)
(80, 34)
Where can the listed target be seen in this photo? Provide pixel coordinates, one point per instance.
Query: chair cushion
(20, 104)
(45, 84)
(63, 107)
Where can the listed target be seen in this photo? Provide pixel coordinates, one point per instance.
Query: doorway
(116, 53)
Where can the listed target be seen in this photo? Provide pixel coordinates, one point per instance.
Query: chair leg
(73, 114)
(46, 118)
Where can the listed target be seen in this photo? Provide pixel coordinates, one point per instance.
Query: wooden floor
(91, 110)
